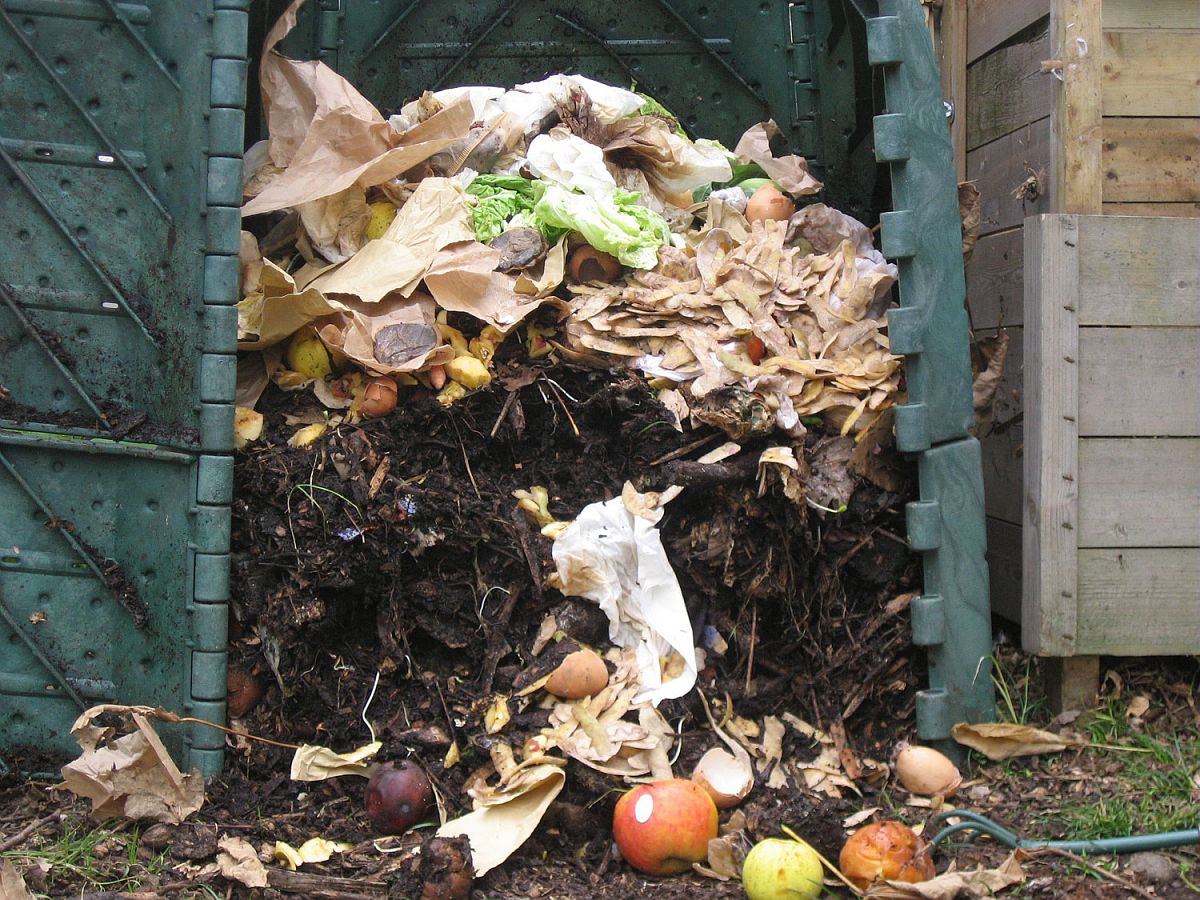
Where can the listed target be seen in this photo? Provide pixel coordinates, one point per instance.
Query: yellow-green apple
(776, 869)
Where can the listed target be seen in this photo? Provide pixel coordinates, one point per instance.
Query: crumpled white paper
(572, 162)
(612, 554)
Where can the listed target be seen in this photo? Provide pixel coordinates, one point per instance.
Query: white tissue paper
(612, 554)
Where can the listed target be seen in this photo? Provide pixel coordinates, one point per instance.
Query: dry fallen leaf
(505, 816)
(132, 775)
(976, 883)
(1138, 706)
(238, 861)
(859, 817)
(994, 351)
(970, 213)
(315, 763)
(1001, 740)
(12, 885)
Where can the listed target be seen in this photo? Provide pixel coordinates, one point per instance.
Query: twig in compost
(236, 733)
(508, 402)
(367, 706)
(466, 460)
(558, 392)
(685, 449)
(19, 838)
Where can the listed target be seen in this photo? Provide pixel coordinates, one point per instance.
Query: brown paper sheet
(790, 171)
(329, 137)
(436, 215)
(462, 278)
(277, 310)
(353, 332)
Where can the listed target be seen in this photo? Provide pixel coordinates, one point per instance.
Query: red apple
(661, 828)
(398, 797)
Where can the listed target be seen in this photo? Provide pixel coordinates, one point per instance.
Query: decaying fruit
(399, 796)
(889, 850)
(243, 691)
(307, 355)
(382, 214)
(589, 264)
(925, 771)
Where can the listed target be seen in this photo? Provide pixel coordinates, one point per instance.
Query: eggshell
(769, 203)
(580, 675)
(379, 397)
(925, 771)
(724, 777)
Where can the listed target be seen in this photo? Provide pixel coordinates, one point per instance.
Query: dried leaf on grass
(1001, 740)
(315, 763)
(12, 885)
(238, 861)
(976, 883)
(132, 775)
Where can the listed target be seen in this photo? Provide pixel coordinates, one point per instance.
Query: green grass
(1151, 779)
(91, 859)
(1015, 701)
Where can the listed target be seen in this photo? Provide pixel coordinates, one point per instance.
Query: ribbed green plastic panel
(924, 235)
(121, 130)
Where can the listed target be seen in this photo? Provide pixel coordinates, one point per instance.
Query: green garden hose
(1127, 844)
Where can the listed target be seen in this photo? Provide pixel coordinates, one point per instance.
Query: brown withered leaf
(969, 211)
(979, 882)
(994, 350)
(238, 861)
(1002, 740)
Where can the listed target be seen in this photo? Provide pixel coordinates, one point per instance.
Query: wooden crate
(1112, 436)
(1063, 106)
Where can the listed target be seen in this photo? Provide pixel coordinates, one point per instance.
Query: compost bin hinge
(801, 72)
(329, 32)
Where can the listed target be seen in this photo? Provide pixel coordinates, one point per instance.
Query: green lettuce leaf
(614, 223)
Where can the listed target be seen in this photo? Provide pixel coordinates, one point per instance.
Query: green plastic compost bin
(120, 141)
(121, 133)
(816, 67)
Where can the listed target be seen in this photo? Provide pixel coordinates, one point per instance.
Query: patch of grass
(98, 859)
(1015, 701)
(1152, 787)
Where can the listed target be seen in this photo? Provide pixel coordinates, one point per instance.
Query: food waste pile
(564, 465)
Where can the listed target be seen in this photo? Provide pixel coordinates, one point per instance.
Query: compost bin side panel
(120, 176)
(930, 329)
